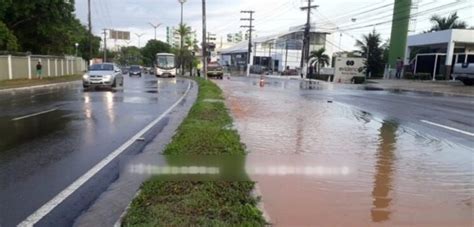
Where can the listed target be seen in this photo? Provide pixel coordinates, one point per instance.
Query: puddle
(330, 165)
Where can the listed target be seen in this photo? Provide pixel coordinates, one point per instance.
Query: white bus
(165, 65)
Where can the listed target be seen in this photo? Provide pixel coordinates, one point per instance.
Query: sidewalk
(441, 87)
(437, 87)
(23, 84)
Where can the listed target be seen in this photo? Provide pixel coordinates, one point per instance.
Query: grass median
(205, 131)
(18, 83)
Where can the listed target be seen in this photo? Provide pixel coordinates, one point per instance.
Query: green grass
(6, 84)
(205, 131)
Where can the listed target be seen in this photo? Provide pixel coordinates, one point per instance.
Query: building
(441, 50)
(174, 39)
(277, 52)
(237, 37)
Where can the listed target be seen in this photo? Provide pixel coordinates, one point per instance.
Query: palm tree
(319, 58)
(445, 23)
(183, 31)
(372, 49)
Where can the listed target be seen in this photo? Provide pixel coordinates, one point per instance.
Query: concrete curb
(256, 193)
(39, 86)
(440, 93)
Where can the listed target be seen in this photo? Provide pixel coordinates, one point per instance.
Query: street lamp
(77, 45)
(182, 3)
(155, 27)
(139, 36)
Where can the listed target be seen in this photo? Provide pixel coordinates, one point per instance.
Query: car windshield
(101, 67)
(134, 67)
(165, 61)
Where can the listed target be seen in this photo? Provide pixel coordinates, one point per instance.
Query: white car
(103, 75)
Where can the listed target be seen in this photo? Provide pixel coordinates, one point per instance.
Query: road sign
(121, 35)
(348, 68)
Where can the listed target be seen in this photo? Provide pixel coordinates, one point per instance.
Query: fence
(24, 67)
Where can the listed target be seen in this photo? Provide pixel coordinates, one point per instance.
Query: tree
(371, 48)
(445, 23)
(319, 58)
(44, 26)
(129, 56)
(7, 40)
(184, 31)
(151, 49)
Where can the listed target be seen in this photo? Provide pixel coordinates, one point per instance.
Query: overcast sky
(272, 16)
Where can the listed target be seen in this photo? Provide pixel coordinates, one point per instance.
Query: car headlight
(85, 76)
(107, 77)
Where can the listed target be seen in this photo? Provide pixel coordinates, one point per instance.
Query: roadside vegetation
(6, 84)
(205, 131)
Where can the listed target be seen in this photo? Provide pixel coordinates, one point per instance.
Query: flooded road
(49, 137)
(324, 156)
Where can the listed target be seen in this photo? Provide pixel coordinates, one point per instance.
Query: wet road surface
(365, 158)
(50, 137)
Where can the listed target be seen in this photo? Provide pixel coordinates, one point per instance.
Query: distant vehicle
(135, 70)
(165, 65)
(465, 71)
(290, 72)
(258, 69)
(214, 69)
(103, 75)
(124, 70)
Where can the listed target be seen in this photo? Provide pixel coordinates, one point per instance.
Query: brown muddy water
(328, 164)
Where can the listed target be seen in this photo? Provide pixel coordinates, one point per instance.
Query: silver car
(103, 75)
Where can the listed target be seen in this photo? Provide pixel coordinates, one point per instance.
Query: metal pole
(204, 44)
(105, 45)
(286, 55)
(182, 39)
(90, 30)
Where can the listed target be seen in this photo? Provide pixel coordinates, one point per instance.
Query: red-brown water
(327, 164)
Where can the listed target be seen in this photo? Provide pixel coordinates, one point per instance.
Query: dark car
(135, 70)
(214, 69)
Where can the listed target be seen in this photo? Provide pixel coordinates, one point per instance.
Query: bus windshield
(165, 61)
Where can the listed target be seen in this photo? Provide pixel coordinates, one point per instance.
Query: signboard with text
(347, 68)
(119, 35)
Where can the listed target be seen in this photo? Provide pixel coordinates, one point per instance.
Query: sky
(271, 16)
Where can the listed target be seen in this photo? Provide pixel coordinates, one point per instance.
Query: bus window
(461, 58)
(470, 58)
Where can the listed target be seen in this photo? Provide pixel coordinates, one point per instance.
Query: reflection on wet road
(49, 137)
(389, 167)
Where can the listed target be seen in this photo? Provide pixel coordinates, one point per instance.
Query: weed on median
(205, 131)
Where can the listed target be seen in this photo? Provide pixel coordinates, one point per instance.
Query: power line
(404, 18)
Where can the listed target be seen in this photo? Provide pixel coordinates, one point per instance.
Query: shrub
(409, 76)
(358, 80)
(423, 76)
(440, 77)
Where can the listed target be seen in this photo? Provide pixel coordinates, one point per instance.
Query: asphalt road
(49, 137)
(444, 117)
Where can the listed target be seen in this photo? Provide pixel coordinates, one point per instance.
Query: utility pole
(286, 54)
(204, 44)
(182, 38)
(306, 38)
(155, 26)
(105, 45)
(250, 27)
(90, 30)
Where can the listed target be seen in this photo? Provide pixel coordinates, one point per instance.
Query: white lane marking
(34, 115)
(449, 128)
(59, 198)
